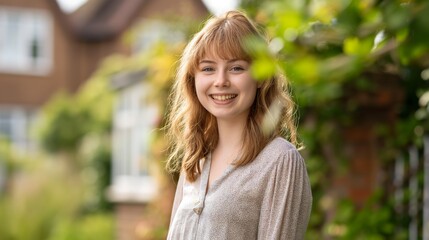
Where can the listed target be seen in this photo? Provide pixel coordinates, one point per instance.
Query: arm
(178, 196)
(287, 202)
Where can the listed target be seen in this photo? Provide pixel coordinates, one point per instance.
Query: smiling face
(225, 88)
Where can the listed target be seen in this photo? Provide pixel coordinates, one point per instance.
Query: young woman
(237, 181)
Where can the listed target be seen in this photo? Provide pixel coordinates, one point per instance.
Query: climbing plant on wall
(346, 60)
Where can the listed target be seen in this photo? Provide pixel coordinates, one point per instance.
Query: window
(2, 177)
(26, 41)
(134, 121)
(6, 124)
(152, 31)
(15, 125)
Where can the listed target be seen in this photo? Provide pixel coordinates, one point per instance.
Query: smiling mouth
(223, 97)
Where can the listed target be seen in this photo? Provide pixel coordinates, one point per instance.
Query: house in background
(27, 74)
(44, 50)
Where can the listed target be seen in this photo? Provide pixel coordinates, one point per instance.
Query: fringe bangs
(224, 41)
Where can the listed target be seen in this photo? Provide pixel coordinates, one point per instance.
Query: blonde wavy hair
(191, 129)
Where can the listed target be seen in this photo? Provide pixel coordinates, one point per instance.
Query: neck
(230, 135)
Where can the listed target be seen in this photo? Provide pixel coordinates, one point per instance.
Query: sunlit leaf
(305, 69)
(366, 4)
(402, 35)
(263, 68)
(325, 11)
(356, 46)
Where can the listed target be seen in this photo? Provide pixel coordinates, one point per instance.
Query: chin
(222, 115)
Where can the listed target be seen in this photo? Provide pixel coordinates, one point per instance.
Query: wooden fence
(411, 191)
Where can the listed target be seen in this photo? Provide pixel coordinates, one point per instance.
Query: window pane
(5, 125)
(26, 40)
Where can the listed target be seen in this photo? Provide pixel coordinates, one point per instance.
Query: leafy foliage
(66, 119)
(35, 202)
(344, 59)
(60, 194)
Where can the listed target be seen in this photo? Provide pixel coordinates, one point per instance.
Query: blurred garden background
(84, 94)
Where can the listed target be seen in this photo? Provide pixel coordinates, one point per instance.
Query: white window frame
(134, 121)
(23, 31)
(150, 32)
(19, 120)
(2, 177)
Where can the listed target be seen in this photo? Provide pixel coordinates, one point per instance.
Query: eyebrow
(211, 61)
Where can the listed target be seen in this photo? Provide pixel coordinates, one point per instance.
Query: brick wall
(128, 218)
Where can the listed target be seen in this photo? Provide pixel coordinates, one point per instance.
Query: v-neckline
(206, 176)
(204, 180)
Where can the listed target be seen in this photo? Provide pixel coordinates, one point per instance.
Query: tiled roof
(104, 19)
(101, 20)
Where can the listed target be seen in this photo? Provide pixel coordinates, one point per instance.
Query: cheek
(251, 96)
(250, 87)
(200, 87)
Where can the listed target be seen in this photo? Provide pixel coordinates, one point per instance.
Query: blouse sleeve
(286, 205)
(177, 197)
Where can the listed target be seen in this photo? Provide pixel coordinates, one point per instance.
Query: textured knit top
(269, 198)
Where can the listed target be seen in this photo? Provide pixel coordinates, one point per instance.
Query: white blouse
(269, 198)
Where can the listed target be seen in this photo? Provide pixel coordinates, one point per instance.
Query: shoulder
(279, 147)
(280, 151)
(280, 144)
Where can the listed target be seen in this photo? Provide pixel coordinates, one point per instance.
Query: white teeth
(224, 97)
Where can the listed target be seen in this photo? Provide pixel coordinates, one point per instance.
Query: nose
(221, 80)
